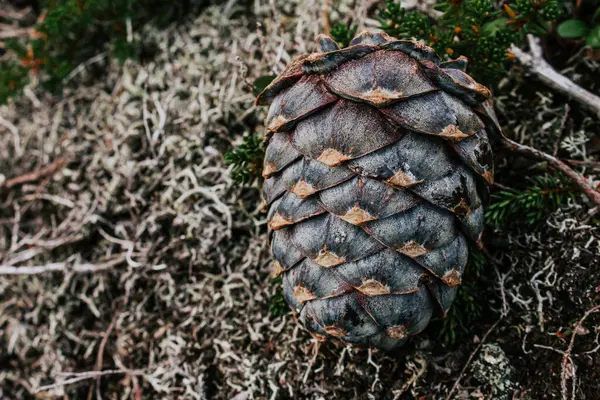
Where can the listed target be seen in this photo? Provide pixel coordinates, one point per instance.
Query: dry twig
(586, 164)
(567, 360)
(100, 357)
(81, 376)
(326, 27)
(577, 179)
(561, 130)
(535, 61)
(503, 313)
(62, 267)
(464, 369)
(35, 176)
(18, 15)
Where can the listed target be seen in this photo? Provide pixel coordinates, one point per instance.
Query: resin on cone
(376, 170)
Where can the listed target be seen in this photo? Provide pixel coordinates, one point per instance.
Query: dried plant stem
(35, 176)
(464, 369)
(577, 179)
(567, 362)
(62, 266)
(587, 164)
(326, 27)
(535, 61)
(561, 130)
(18, 15)
(78, 377)
(7, 33)
(100, 357)
(504, 313)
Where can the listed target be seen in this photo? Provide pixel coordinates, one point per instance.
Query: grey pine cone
(375, 173)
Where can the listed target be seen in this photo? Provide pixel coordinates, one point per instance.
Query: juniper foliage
(545, 193)
(277, 305)
(246, 160)
(343, 33)
(13, 78)
(476, 29)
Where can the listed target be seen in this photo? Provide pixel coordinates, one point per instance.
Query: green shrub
(73, 31)
(476, 29)
(579, 29)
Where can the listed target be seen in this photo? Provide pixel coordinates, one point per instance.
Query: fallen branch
(35, 176)
(535, 61)
(62, 267)
(577, 179)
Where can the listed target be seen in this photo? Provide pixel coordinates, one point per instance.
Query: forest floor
(145, 271)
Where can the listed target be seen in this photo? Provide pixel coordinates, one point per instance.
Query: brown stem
(567, 361)
(587, 164)
(577, 179)
(326, 27)
(100, 356)
(35, 176)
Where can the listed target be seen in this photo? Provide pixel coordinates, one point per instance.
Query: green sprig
(544, 195)
(246, 160)
(278, 307)
(343, 33)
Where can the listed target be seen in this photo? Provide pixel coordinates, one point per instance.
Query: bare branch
(586, 164)
(544, 71)
(577, 179)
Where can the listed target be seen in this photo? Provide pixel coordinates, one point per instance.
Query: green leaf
(494, 26)
(261, 83)
(593, 40)
(596, 15)
(572, 29)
